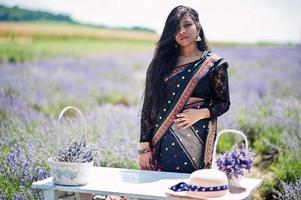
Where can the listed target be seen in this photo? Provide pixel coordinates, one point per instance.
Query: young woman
(186, 90)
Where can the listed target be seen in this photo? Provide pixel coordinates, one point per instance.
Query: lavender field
(265, 104)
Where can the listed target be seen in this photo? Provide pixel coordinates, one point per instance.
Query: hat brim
(185, 194)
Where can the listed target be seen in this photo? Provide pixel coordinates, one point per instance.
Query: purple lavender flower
(32, 94)
(235, 163)
(41, 173)
(17, 166)
(291, 191)
(19, 173)
(76, 152)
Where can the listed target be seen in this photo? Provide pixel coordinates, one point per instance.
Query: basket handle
(216, 142)
(59, 121)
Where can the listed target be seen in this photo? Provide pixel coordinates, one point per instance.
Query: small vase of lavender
(236, 162)
(73, 162)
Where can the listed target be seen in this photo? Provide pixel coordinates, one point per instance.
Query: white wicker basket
(214, 166)
(65, 173)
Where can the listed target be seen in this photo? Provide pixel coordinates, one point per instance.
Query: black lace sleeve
(146, 127)
(219, 91)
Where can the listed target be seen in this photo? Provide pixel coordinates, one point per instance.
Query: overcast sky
(229, 20)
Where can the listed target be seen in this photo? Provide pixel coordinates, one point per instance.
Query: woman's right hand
(145, 161)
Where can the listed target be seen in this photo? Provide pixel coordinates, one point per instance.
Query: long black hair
(165, 58)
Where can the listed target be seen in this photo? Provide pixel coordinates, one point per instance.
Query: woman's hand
(189, 116)
(145, 161)
(145, 158)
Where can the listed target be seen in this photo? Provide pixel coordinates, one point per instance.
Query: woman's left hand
(189, 116)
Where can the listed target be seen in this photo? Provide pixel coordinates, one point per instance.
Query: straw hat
(203, 183)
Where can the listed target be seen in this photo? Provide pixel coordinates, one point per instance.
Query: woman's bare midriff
(193, 100)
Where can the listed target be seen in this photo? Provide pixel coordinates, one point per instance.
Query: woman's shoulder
(220, 65)
(220, 61)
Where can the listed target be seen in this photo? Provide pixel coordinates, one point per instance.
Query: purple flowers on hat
(235, 163)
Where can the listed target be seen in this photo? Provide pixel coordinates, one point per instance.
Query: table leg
(248, 198)
(84, 196)
(50, 195)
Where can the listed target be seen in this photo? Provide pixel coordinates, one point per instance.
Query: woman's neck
(188, 51)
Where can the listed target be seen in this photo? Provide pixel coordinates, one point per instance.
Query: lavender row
(265, 92)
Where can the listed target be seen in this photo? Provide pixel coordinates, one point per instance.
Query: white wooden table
(135, 184)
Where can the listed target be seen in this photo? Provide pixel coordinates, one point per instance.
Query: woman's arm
(219, 91)
(145, 125)
(145, 156)
(220, 100)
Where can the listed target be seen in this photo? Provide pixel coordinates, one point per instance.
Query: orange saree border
(210, 142)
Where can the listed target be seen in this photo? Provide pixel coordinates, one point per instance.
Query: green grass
(264, 137)
(110, 160)
(225, 143)
(15, 51)
(26, 41)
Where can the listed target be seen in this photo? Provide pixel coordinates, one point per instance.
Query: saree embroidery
(197, 150)
(210, 143)
(189, 143)
(202, 70)
(176, 71)
(181, 68)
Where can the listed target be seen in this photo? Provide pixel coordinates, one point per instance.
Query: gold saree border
(210, 143)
